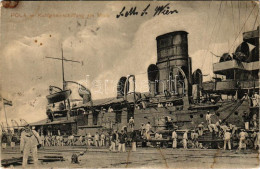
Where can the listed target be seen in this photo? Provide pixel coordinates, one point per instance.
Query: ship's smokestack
(172, 52)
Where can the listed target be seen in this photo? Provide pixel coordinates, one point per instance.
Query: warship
(178, 99)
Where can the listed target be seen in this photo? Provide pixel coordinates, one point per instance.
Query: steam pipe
(91, 101)
(126, 86)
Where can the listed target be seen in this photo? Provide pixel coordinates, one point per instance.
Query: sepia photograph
(129, 84)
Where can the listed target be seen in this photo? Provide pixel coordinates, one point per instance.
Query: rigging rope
(216, 37)
(211, 36)
(242, 28)
(238, 14)
(255, 20)
(233, 17)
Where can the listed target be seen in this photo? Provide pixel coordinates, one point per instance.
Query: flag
(7, 102)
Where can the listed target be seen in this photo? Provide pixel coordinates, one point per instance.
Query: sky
(109, 47)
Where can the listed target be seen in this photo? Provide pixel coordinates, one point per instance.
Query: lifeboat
(58, 96)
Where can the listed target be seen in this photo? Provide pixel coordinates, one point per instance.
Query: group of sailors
(227, 135)
(119, 139)
(98, 140)
(226, 131)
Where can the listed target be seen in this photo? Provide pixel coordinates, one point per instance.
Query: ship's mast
(6, 102)
(62, 67)
(62, 61)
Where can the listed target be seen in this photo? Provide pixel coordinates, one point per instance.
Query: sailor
(49, 138)
(208, 117)
(142, 128)
(30, 139)
(227, 137)
(96, 139)
(246, 120)
(168, 119)
(71, 140)
(256, 136)
(122, 141)
(201, 128)
(256, 98)
(194, 137)
(224, 127)
(80, 140)
(160, 136)
(13, 141)
(233, 128)
(143, 104)
(214, 126)
(131, 123)
(245, 97)
(113, 142)
(42, 139)
(61, 140)
(124, 128)
(242, 139)
(102, 139)
(184, 139)
(53, 140)
(133, 140)
(157, 135)
(110, 109)
(57, 140)
(46, 139)
(107, 139)
(4, 140)
(174, 139)
(147, 130)
(89, 139)
(218, 125)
